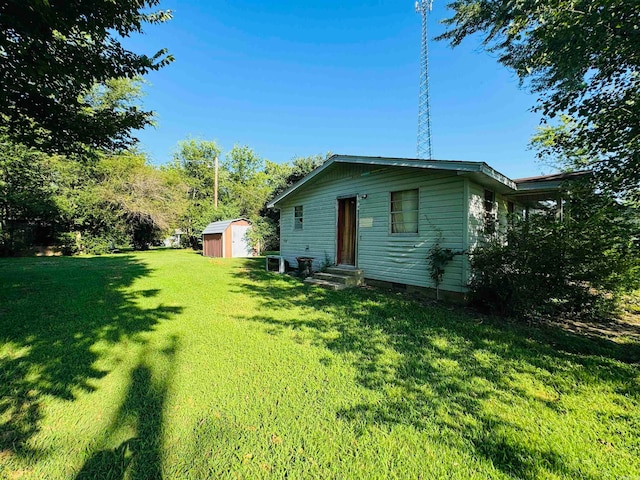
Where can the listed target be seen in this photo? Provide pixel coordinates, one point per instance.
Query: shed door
(347, 231)
(212, 245)
(239, 244)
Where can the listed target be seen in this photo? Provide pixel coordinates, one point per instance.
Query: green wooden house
(380, 216)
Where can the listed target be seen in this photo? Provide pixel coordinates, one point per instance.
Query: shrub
(69, 243)
(544, 266)
(143, 230)
(262, 235)
(95, 244)
(438, 258)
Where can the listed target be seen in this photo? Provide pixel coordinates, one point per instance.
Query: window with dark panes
(297, 217)
(490, 218)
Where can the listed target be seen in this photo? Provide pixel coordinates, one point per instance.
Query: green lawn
(167, 364)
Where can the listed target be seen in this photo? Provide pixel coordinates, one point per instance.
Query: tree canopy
(582, 58)
(52, 52)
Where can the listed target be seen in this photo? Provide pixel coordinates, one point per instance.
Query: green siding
(476, 214)
(382, 256)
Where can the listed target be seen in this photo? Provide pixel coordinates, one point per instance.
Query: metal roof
(548, 183)
(479, 169)
(220, 226)
(554, 177)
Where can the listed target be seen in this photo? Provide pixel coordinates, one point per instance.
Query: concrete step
(325, 284)
(348, 280)
(338, 278)
(350, 272)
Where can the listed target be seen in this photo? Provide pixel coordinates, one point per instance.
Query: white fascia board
(499, 177)
(538, 186)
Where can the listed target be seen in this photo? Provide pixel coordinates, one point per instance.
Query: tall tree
(93, 207)
(242, 163)
(51, 54)
(582, 59)
(194, 160)
(146, 201)
(248, 182)
(27, 186)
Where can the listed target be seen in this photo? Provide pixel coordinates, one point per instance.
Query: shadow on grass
(53, 312)
(142, 409)
(437, 368)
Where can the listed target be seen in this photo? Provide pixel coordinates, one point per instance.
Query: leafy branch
(438, 258)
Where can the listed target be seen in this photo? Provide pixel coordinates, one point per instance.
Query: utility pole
(423, 7)
(215, 183)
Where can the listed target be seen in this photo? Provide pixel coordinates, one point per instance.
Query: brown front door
(347, 231)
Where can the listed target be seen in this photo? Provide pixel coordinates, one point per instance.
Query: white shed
(227, 239)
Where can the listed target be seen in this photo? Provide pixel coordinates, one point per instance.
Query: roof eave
(498, 177)
(461, 167)
(554, 183)
(540, 186)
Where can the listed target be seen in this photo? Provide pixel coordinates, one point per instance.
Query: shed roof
(220, 226)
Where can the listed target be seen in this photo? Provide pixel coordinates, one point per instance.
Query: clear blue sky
(294, 78)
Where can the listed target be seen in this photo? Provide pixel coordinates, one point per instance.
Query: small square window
(404, 211)
(297, 217)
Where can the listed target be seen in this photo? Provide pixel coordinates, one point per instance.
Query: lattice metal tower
(423, 7)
